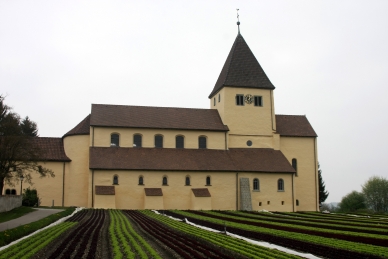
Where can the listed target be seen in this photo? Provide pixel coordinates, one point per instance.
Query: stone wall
(9, 202)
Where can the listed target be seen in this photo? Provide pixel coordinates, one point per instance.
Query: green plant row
(336, 243)
(292, 216)
(340, 217)
(13, 234)
(229, 243)
(322, 230)
(29, 246)
(124, 231)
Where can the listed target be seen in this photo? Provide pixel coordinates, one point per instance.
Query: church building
(236, 155)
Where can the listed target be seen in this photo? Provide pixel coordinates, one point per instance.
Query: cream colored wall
(240, 141)
(48, 188)
(105, 202)
(130, 195)
(77, 177)
(303, 149)
(247, 119)
(153, 203)
(200, 203)
(215, 140)
(268, 191)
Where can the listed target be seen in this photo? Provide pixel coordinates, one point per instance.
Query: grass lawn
(15, 213)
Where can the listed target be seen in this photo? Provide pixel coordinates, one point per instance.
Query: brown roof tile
(241, 69)
(169, 159)
(83, 128)
(105, 190)
(156, 117)
(153, 191)
(201, 192)
(51, 149)
(294, 126)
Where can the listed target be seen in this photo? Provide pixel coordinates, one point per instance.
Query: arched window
(159, 141)
(208, 182)
(114, 140)
(115, 179)
(256, 185)
(295, 166)
(202, 142)
(141, 180)
(179, 142)
(8, 192)
(165, 180)
(187, 180)
(137, 140)
(13, 192)
(280, 185)
(297, 202)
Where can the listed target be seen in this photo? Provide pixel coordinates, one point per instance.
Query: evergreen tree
(29, 128)
(323, 194)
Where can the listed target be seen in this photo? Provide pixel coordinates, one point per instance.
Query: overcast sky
(327, 59)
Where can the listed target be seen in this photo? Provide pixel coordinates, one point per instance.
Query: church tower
(243, 96)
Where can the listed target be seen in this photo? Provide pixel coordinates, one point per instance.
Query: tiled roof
(153, 191)
(105, 190)
(83, 128)
(294, 126)
(201, 192)
(51, 149)
(170, 159)
(156, 117)
(241, 69)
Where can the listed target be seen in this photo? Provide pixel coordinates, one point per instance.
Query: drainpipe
(293, 199)
(236, 191)
(92, 188)
(63, 185)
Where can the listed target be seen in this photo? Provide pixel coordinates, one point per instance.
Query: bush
(30, 198)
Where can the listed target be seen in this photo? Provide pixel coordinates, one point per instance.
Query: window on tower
(258, 101)
(240, 99)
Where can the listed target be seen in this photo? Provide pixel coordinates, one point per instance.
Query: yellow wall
(105, 202)
(200, 203)
(48, 188)
(77, 177)
(303, 149)
(215, 140)
(247, 119)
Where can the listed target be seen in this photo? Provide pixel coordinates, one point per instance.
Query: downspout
(272, 115)
(93, 137)
(63, 184)
(293, 199)
(92, 188)
(226, 145)
(236, 191)
(316, 172)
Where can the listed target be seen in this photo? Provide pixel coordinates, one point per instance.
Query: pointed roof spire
(241, 69)
(238, 21)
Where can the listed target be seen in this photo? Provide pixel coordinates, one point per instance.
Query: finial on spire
(238, 21)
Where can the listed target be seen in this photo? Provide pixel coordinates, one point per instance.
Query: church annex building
(237, 155)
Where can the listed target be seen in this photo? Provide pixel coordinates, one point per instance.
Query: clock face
(248, 98)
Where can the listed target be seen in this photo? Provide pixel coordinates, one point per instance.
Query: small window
(141, 180)
(280, 185)
(179, 142)
(268, 202)
(8, 192)
(187, 180)
(295, 166)
(202, 142)
(115, 179)
(240, 99)
(258, 101)
(259, 203)
(214, 101)
(137, 140)
(165, 180)
(219, 97)
(159, 141)
(13, 192)
(282, 202)
(249, 143)
(256, 185)
(114, 140)
(297, 202)
(208, 182)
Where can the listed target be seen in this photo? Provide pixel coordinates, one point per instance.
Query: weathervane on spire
(238, 21)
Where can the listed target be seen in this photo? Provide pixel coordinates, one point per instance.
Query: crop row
(315, 244)
(236, 245)
(374, 239)
(29, 246)
(124, 238)
(295, 218)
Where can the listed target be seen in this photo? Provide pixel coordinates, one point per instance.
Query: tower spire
(238, 21)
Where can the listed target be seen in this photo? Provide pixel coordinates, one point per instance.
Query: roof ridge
(146, 106)
(291, 115)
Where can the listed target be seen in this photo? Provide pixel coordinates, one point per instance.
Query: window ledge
(115, 184)
(187, 184)
(208, 185)
(280, 190)
(141, 184)
(255, 190)
(164, 184)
